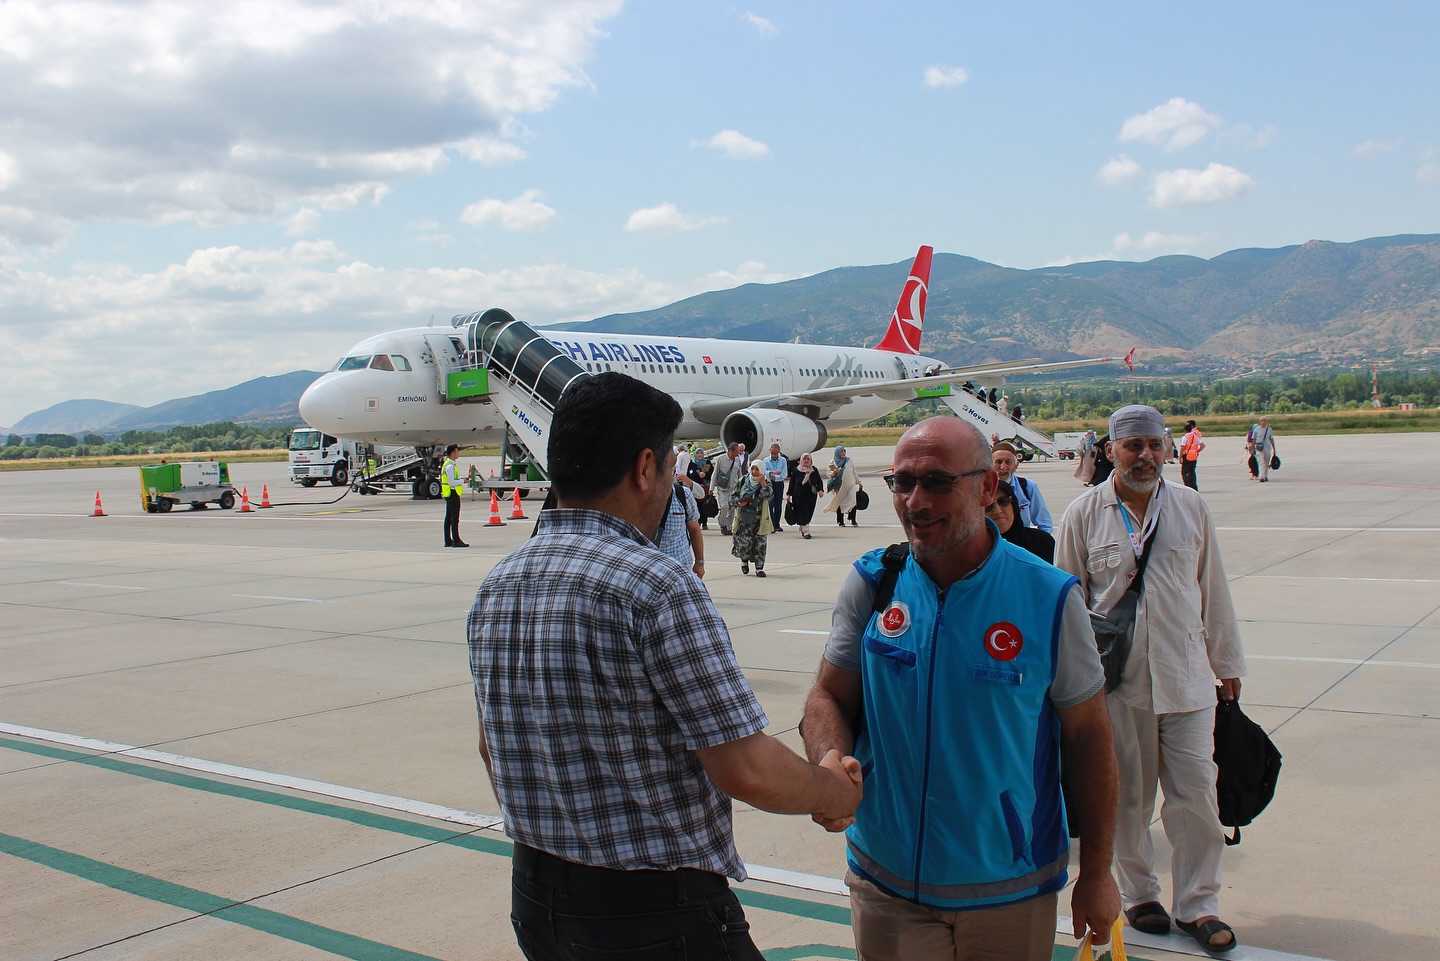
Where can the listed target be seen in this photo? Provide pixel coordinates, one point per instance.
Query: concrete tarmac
(230, 735)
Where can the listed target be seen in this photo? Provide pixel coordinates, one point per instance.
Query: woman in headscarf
(752, 520)
(806, 486)
(1033, 539)
(845, 484)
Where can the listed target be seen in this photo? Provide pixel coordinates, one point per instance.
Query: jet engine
(759, 427)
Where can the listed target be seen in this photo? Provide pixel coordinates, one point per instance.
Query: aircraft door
(787, 376)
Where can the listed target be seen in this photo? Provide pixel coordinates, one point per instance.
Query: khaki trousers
(1175, 751)
(888, 928)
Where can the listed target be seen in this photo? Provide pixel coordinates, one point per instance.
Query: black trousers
(564, 911)
(1187, 473)
(452, 518)
(777, 501)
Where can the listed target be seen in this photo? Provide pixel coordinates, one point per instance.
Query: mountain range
(1304, 308)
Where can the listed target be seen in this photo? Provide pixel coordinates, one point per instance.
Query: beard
(1139, 481)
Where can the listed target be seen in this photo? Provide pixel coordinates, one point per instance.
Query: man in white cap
(1184, 637)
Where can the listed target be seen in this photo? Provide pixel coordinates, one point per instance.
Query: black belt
(586, 880)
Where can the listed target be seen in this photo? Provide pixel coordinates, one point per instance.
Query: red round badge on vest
(1003, 641)
(895, 620)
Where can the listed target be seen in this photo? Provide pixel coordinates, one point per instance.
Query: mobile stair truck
(197, 483)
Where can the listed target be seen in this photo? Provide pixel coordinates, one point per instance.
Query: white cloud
(261, 312)
(733, 143)
(524, 213)
(156, 112)
(749, 272)
(1428, 172)
(302, 222)
(1175, 124)
(1120, 171)
(1191, 188)
(1375, 149)
(762, 26)
(1152, 241)
(937, 76)
(665, 218)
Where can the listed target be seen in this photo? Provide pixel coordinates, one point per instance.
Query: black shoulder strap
(894, 558)
(666, 516)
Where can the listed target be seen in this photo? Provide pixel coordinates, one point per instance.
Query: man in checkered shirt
(614, 723)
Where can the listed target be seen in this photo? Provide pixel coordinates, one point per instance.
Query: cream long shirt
(1186, 634)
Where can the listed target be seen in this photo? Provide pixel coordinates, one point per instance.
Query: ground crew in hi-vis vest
(450, 488)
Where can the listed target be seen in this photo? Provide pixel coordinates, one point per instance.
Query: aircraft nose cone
(322, 406)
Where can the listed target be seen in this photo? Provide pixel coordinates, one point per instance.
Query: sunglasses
(1001, 501)
(935, 483)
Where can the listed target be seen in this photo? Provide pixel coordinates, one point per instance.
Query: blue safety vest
(960, 744)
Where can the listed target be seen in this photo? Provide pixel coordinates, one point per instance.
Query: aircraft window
(381, 362)
(400, 362)
(358, 362)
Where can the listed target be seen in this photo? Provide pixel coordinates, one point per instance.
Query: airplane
(385, 389)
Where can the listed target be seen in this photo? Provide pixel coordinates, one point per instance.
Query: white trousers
(1175, 751)
(1262, 458)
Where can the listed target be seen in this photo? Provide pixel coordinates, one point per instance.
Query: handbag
(1274, 461)
(790, 513)
(862, 499)
(1112, 630)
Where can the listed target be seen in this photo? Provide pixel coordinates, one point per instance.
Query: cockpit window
(358, 362)
(400, 362)
(381, 362)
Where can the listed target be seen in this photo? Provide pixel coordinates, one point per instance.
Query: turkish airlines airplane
(385, 389)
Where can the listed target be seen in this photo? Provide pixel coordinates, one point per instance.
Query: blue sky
(192, 195)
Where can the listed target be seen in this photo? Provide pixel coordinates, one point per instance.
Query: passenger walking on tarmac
(622, 824)
(845, 487)
(1264, 439)
(978, 673)
(1185, 635)
(450, 488)
(679, 534)
(1190, 447)
(806, 486)
(722, 483)
(1029, 504)
(777, 472)
(752, 520)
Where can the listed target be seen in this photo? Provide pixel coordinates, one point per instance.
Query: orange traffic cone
(517, 513)
(245, 507)
(494, 520)
(265, 495)
(492, 473)
(99, 511)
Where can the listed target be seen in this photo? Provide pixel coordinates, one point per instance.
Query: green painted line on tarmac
(779, 904)
(369, 819)
(205, 904)
(802, 951)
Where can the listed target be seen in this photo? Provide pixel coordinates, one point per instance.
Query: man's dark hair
(452, 448)
(601, 425)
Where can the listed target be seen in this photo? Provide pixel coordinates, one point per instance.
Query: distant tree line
(1231, 395)
(223, 435)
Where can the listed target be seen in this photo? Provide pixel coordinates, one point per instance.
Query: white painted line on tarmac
(390, 802)
(108, 587)
(1338, 530)
(1178, 944)
(792, 630)
(275, 597)
(1341, 660)
(1329, 577)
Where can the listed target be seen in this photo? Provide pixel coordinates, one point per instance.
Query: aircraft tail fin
(903, 334)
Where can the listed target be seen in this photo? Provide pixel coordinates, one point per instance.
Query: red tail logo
(903, 334)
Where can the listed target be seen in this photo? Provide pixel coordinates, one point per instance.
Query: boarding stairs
(524, 376)
(391, 472)
(991, 421)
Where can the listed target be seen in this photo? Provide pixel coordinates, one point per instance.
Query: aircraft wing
(820, 402)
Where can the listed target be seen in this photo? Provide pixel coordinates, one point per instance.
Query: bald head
(971, 450)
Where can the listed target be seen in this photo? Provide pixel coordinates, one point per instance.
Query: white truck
(316, 456)
(1069, 444)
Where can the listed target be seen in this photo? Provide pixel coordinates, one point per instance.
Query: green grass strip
(201, 903)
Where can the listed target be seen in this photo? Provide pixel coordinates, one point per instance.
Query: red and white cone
(99, 511)
(494, 520)
(517, 513)
(245, 507)
(265, 495)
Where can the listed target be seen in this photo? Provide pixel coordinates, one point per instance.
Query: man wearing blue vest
(959, 697)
